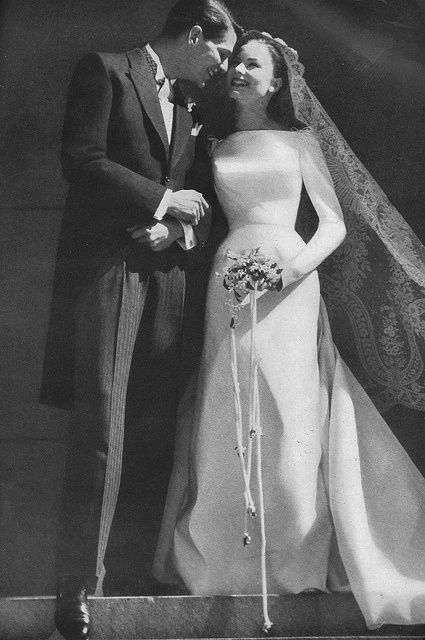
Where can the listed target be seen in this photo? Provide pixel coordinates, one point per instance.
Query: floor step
(335, 616)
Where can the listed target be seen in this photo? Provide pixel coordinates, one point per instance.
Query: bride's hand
(287, 278)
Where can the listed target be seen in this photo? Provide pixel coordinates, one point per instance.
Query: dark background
(364, 60)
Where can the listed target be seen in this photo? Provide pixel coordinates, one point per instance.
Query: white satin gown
(344, 504)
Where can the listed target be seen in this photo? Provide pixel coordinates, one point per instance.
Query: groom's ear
(194, 34)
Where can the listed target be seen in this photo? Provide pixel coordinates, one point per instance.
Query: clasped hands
(186, 205)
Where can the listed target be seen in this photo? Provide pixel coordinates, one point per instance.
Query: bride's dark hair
(281, 107)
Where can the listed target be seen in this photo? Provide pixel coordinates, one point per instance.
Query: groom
(130, 222)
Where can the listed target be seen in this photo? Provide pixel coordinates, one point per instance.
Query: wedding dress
(344, 504)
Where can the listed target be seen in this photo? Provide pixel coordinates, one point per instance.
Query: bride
(344, 504)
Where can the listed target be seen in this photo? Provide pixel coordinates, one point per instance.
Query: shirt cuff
(189, 241)
(163, 205)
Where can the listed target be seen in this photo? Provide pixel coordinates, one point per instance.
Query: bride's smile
(252, 75)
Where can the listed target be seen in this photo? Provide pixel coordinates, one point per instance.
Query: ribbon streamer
(254, 431)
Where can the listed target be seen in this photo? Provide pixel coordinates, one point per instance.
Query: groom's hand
(187, 205)
(157, 236)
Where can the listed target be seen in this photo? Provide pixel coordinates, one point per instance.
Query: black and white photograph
(212, 319)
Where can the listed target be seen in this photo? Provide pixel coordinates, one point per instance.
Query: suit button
(166, 179)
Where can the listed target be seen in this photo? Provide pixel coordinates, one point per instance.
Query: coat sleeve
(84, 144)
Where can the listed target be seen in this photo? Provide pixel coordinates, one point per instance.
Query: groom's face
(205, 58)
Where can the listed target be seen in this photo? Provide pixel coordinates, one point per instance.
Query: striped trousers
(126, 323)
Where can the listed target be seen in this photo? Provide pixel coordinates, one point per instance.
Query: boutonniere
(189, 103)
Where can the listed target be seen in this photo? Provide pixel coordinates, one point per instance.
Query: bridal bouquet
(249, 273)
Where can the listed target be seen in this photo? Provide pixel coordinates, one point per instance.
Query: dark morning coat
(118, 162)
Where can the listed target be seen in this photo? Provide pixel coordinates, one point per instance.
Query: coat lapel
(145, 86)
(183, 123)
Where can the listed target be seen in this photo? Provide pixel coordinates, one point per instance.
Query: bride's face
(250, 77)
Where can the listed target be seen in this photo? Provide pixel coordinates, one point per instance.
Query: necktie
(153, 67)
(164, 92)
(175, 95)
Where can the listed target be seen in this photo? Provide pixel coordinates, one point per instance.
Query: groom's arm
(190, 237)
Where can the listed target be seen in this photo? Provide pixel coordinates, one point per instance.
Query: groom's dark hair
(212, 15)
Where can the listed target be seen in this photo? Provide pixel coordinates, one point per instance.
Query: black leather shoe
(72, 617)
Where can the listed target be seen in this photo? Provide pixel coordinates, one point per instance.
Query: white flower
(190, 104)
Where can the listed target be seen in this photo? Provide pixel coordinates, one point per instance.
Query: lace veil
(376, 279)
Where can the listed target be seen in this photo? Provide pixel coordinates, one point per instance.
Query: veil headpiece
(376, 279)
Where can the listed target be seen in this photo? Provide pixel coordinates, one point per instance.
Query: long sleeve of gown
(331, 229)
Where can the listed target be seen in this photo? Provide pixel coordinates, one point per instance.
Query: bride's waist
(262, 228)
(276, 239)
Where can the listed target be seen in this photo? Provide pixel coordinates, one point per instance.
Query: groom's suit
(116, 304)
